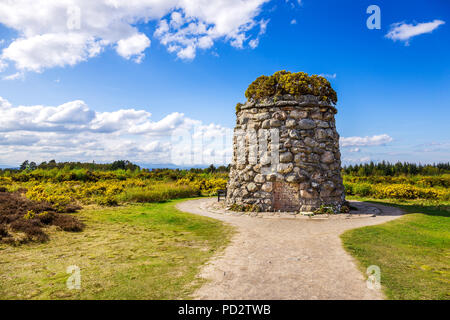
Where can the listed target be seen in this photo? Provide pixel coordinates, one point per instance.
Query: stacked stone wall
(286, 155)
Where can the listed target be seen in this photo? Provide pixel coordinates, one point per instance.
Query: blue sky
(393, 95)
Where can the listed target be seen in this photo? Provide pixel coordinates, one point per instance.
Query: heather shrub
(3, 232)
(26, 219)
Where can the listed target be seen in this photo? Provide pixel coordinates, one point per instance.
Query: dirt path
(286, 258)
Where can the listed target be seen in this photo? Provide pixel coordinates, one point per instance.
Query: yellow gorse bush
(404, 191)
(29, 215)
(396, 191)
(110, 192)
(206, 186)
(58, 200)
(297, 84)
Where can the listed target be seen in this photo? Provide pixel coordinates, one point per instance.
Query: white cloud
(19, 139)
(433, 146)
(404, 32)
(365, 141)
(4, 104)
(74, 112)
(64, 33)
(347, 161)
(38, 52)
(183, 33)
(14, 76)
(3, 65)
(293, 21)
(133, 46)
(328, 75)
(72, 131)
(294, 3)
(253, 43)
(187, 53)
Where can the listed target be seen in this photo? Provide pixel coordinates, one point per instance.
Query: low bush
(21, 215)
(158, 193)
(401, 191)
(363, 189)
(395, 191)
(108, 201)
(207, 187)
(416, 180)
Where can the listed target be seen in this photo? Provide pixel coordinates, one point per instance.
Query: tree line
(385, 168)
(116, 165)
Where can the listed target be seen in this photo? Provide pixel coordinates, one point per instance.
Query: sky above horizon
(104, 80)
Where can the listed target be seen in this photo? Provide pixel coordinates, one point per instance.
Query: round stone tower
(285, 146)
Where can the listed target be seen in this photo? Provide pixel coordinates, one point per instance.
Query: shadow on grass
(428, 207)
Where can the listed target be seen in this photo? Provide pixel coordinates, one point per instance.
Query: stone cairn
(285, 156)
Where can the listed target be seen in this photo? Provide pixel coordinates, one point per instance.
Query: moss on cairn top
(296, 84)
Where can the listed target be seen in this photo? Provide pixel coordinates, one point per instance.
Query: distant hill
(169, 166)
(5, 166)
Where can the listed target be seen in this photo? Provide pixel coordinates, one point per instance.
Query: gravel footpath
(287, 258)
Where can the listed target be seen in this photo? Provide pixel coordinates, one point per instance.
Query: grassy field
(140, 251)
(413, 251)
(133, 245)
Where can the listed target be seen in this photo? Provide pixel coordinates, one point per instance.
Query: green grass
(156, 193)
(413, 251)
(148, 251)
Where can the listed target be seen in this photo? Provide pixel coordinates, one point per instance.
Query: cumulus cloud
(71, 116)
(365, 141)
(183, 34)
(404, 32)
(19, 139)
(73, 131)
(133, 46)
(39, 52)
(64, 33)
